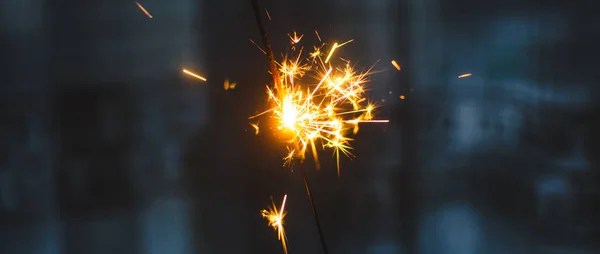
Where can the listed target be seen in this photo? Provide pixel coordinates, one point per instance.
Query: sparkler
(323, 111)
(275, 218)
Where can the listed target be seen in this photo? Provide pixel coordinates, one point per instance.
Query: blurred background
(106, 147)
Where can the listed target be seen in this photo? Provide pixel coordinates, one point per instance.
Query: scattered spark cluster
(318, 99)
(275, 217)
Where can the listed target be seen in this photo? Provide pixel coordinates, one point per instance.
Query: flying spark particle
(295, 39)
(395, 65)
(351, 40)
(465, 75)
(194, 75)
(317, 33)
(268, 15)
(143, 9)
(335, 45)
(255, 126)
(402, 97)
(262, 50)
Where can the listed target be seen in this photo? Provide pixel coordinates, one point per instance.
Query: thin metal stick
(265, 40)
(314, 209)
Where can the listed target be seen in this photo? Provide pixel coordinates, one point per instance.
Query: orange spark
(255, 126)
(402, 97)
(268, 15)
(295, 39)
(465, 75)
(193, 75)
(395, 65)
(262, 50)
(317, 33)
(143, 9)
(331, 52)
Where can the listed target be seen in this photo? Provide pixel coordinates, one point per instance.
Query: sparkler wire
(314, 209)
(265, 40)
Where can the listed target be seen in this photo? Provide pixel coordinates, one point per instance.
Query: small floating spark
(143, 9)
(395, 65)
(465, 75)
(255, 126)
(193, 75)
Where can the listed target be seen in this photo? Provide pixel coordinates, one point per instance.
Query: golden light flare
(396, 65)
(318, 102)
(193, 75)
(275, 217)
(143, 9)
(268, 15)
(465, 75)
